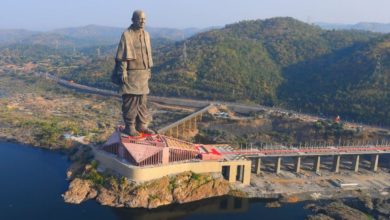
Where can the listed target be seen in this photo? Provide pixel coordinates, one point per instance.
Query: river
(32, 181)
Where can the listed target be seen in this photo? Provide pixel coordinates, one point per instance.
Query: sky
(52, 14)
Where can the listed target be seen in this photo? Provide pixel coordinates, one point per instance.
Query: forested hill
(245, 60)
(353, 82)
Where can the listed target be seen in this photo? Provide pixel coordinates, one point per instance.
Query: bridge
(257, 154)
(180, 129)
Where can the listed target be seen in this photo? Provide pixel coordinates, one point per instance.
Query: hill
(245, 61)
(353, 82)
(12, 36)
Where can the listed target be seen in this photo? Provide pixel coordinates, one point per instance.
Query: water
(32, 181)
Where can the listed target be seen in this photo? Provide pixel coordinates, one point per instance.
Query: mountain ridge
(366, 26)
(86, 36)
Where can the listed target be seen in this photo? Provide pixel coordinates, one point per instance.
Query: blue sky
(50, 14)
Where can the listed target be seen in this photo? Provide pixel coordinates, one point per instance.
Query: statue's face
(139, 21)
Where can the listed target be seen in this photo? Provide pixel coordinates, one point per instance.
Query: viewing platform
(153, 156)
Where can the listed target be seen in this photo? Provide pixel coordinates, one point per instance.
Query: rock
(367, 201)
(185, 187)
(275, 204)
(92, 194)
(79, 191)
(73, 170)
(106, 197)
(221, 187)
(382, 206)
(151, 195)
(139, 198)
(319, 217)
(311, 206)
(196, 193)
(238, 193)
(192, 187)
(338, 210)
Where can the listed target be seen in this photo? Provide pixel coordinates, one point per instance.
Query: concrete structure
(317, 164)
(278, 164)
(141, 174)
(184, 126)
(336, 163)
(154, 149)
(297, 164)
(374, 162)
(338, 152)
(154, 156)
(356, 162)
(257, 165)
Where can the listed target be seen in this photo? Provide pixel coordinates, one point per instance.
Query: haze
(50, 14)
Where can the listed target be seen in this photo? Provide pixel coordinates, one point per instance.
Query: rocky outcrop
(151, 195)
(337, 210)
(319, 217)
(190, 187)
(275, 204)
(107, 197)
(79, 191)
(182, 188)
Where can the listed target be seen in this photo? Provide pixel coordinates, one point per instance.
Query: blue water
(32, 181)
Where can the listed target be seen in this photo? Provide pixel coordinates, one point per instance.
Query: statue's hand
(124, 77)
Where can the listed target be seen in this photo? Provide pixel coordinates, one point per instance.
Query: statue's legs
(135, 114)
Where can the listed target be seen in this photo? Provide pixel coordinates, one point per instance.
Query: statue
(133, 62)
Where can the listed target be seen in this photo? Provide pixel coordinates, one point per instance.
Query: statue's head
(139, 19)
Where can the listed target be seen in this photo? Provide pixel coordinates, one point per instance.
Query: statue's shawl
(126, 51)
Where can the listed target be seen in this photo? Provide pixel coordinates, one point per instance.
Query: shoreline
(65, 151)
(274, 199)
(257, 192)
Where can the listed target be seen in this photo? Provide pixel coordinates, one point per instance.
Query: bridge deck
(183, 120)
(325, 151)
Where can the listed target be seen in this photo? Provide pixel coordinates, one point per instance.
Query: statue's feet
(131, 131)
(144, 129)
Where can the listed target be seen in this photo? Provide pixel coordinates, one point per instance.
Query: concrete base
(141, 174)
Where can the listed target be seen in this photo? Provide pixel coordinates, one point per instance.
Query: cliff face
(182, 188)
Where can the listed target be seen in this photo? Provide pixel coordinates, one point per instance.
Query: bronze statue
(133, 63)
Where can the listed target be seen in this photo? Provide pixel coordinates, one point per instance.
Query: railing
(333, 150)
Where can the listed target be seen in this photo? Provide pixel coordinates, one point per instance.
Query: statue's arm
(121, 61)
(122, 70)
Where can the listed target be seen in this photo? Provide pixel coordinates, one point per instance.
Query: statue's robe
(134, 55)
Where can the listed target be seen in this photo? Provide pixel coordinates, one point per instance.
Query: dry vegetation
(38, 112)
(282, 128)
